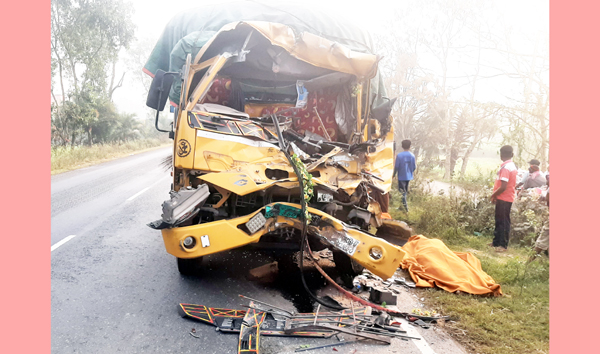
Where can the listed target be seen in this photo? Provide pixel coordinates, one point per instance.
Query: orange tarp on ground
(430, 263)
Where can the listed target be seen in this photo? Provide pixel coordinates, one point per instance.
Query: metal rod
(325, 133)
(328, 345)
(364, 328)
(264, 303)
(359, 315)
(317, 314)
(353, 314)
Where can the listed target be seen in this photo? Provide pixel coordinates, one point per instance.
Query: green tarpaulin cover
(189, 30)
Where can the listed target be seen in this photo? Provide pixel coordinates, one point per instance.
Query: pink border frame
(574, 77)
(575, 62)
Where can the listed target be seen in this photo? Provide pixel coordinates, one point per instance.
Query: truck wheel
(189, 266)
(347, 267)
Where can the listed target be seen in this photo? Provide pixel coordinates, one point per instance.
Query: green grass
(482, 165)
(70, 158)
(517, 322)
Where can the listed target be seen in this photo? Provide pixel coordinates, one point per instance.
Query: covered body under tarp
(190, 30)
(431, 263)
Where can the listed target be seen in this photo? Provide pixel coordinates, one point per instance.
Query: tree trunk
(448, 162)
(453, 159)
(463, 168)
(90, 136)
(112, 86)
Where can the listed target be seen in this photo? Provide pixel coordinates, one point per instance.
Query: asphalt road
(116, 290)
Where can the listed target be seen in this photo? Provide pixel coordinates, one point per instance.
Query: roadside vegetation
(66, 158)
(463, 218)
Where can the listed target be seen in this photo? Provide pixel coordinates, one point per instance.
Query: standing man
(503, 197)
(534, 177)
(405, 167)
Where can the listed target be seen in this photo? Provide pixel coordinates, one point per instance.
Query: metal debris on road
(268, 320)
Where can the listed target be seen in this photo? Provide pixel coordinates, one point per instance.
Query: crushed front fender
(377, 255)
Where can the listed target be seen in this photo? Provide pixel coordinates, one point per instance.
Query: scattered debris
(265, 273)
(377, 290)
(420, 312)
(383, 319)
(324, 259)
(403, 281)
(419, 322)
(382, 297)
(264, 319)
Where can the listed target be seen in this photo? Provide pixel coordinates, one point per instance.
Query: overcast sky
(151, 16)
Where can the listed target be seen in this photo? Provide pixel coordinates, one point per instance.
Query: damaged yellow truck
(279, 131)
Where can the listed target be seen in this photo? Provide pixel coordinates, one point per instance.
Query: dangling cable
(303, 236)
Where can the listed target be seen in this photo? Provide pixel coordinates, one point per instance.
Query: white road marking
(145, 189)
(137, 194)
(61, 242)
(420, 344)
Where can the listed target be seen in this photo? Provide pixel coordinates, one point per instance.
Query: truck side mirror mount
(159, 93)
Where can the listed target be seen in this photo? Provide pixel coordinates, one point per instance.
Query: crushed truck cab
(263, 108)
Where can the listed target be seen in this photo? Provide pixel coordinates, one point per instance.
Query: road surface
(116, 290)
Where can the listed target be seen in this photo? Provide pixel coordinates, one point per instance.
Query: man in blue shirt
(405, 167)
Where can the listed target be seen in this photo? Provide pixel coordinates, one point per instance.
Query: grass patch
(70, 158)
(476, 167)
(517, 322)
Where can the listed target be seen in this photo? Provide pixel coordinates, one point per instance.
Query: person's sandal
(501, 249)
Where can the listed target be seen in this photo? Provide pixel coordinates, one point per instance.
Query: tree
(483, 125)
(527, 118)
(406, 80)
(437, 56)
(86, 37)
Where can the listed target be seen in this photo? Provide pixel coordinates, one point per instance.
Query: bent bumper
(375, 254)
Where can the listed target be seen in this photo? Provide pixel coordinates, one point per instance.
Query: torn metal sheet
(340, 240)
(250, 96)
(325, 157)
(275, 323)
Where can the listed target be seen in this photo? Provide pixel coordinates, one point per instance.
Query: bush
(464, 219)
(65, 158)
(466, 210)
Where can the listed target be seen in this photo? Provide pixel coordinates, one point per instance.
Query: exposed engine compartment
(276, 133)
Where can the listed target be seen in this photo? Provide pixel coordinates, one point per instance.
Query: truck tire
(347, 267)
(189, 266)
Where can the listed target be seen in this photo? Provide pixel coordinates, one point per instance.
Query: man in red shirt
(503, 197)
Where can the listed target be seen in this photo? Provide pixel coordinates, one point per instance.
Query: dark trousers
(403, 188)
(502, 230)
